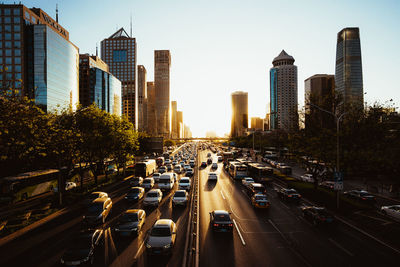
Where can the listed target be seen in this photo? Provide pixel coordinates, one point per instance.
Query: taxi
(260, 201)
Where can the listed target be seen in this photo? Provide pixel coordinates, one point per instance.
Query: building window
(8, 60)
(33, 20)
(17, 44)
(17, 36)
(8, 36)
(16, 20)
(16, 11)
(119, 56)
(17, 52)
(7, 11)
(17, 60)
(27, 15)
(8, 44)
(17, 28)
(7, 20)
(8, 52)
(18, 76)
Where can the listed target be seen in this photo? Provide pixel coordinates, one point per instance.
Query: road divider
(240, 235)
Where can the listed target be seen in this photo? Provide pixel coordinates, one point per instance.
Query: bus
(26, 185)
(160, 161)
(260, 173)
(145, 168)
(237, 170)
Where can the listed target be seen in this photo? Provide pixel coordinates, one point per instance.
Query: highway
(279, 236)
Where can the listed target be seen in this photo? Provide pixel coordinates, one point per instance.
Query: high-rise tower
(283, 93)
(348, 71)
(162, 63)
(174, 122)
(151, 109)
(240, 113)
(119, 52)
(142, 98)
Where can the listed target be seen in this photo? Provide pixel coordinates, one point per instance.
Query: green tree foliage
(169, 142)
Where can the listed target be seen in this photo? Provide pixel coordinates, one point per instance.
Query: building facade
(283, 93)
(257, 123)
(319, 93)
(119, 52)
(151, 109)
(240, 117)
(98, 86)
(162, 63)
(37, 58)
(179, 120)
(348, 71)
(174, 122)
(142, 98)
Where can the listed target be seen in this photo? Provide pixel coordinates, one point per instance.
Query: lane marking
(137, 253)
(342, 248)
(222, 194)
(240, 235)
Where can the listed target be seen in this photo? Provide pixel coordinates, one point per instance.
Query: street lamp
(338, 118)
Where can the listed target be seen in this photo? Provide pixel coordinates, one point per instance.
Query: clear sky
(221, 46)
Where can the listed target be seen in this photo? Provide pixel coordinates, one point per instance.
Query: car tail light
(216, 224)
(289, 195)
(299, 195)
(364, 198)
(322, 218)
(230, 225)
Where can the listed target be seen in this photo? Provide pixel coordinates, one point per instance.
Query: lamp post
(338, 118)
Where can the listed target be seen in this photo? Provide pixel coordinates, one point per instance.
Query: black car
(209, 161)
(136, 181)
(317, 215)
(360, 195)
(82, 248)
(203, 164)
(135, 194)
(189, 173)
(289, 194)
(221, 221)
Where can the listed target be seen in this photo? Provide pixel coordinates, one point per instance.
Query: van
(166, 181)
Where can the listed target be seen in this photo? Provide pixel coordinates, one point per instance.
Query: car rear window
(222, 217)
(134, 191)
(129, 217)
(147, 181)
(180, 194)
(184, 180)
(152, 194)
(160, 231)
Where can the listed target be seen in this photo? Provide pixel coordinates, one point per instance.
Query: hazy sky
(221, 46)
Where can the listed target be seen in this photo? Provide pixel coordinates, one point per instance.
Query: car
(153, 198)
(192, 163)
(392, 211)
(83, 248)
(219, 158)
(327, 184)
(212, 176)
(175, 176)
(360, 195)
(70, 186)
(246, 181)
(317, 215)
(182, 163)
(178, 169)
(189, 173)
(174, 162)
(289, 194)
(203, 164)
(186, 167)
(161, 237)
(209, 161)
(148, 183)
(131, 222)
(169, 167)
(135, 194)
(208, 154)
(221, 221)
(162, 169)
(156, 176)
(136, 181)
(255, 188)
(184, 184)
(308, 177)
(98, 211)
(167, 161)
(180, 198)
(166, 181)
(214, 166)
(260, 201)
(93, 196)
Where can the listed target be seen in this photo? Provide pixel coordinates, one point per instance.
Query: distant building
(142, 98)
(348, 71)
(119, 52)
(174, 122)
(319, 92)
(179, 119)
(162, 63)
(187, 132)
(240, 119)
(283, 93)
(151, 109)
(36, 49)
(266, 122)
(257, 123)
(211, 134)
(97, 85)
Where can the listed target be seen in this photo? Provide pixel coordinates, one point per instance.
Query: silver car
(153, 198)
(161, 238)
(148, 183)
(180, 198)
(184, 184)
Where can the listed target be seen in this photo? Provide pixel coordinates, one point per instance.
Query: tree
(169, 143)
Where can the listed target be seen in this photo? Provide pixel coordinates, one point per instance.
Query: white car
(212, 176)
(156, 176)
(180, 197)
(186, 167)
(184, 184)
(177, 168)
(392, 211)
(307, 178)
(153, 198)
(247, 181)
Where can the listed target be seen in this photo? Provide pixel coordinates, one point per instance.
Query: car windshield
(249, 180)
(363, 194)
(94, 196)
(185, 181)
(261, 198)
(160, 231)
(222, 217)
(95, 208)
(134, 191)
(152, 194)
(147, 181)
(180, 194)
(129, 217)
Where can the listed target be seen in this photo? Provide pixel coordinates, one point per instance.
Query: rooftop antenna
(97, 50)
(131, 25)
(57, 13)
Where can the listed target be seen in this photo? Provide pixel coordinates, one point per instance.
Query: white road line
(137, 253)
(222, 194)
(285, 206)
(339, 246)
(240, 235)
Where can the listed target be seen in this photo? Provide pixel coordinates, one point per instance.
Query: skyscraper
(97, 85)
(151, 109)
(119, 52)
(162, 63)
(179, 119)
(36, 49)
(319, 91)
(240, 118)
(142, 98)
(348, 71)
(257, 123)
(174, 122)
(283, 93)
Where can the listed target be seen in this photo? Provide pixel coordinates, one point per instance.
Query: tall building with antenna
(119, 52)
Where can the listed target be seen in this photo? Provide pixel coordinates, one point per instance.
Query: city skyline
(250, 29)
